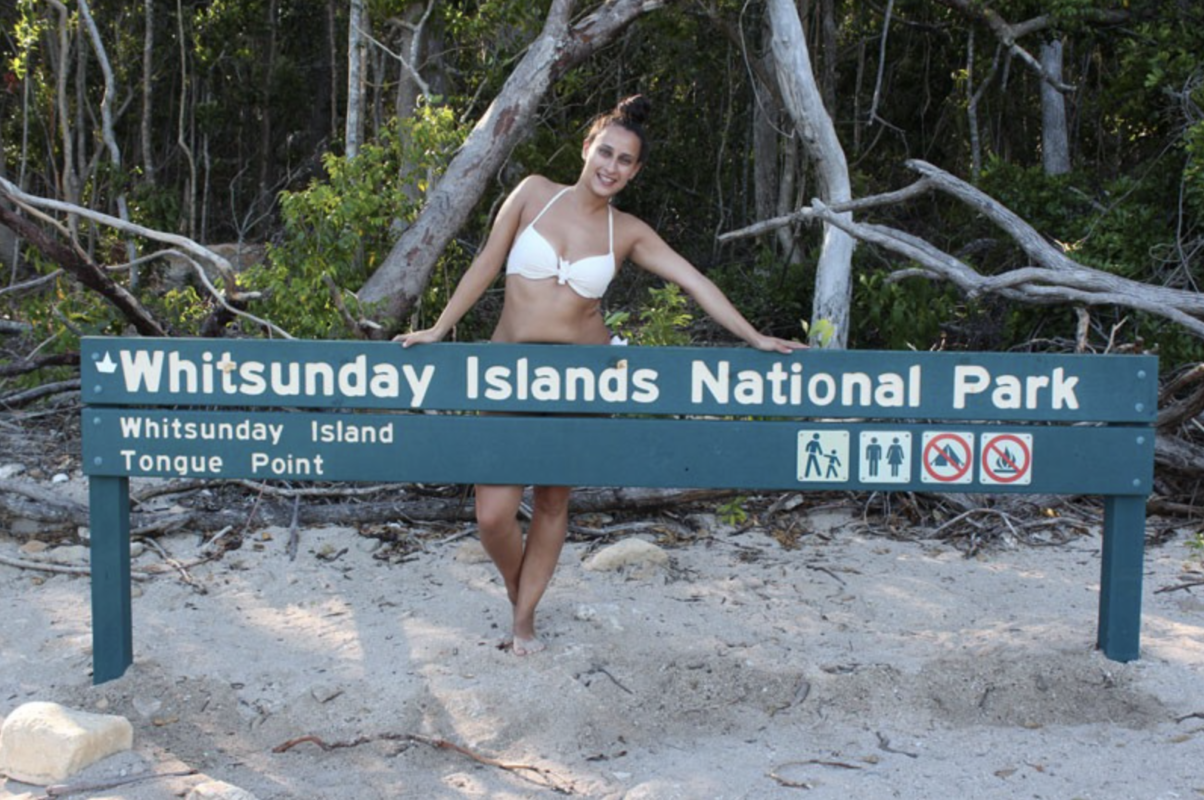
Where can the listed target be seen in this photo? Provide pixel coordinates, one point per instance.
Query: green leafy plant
(1195, 546)
(342, 227)
(733, 511)
(662, 322)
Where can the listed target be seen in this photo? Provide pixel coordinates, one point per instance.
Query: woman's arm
(481, 273)
(651, 252)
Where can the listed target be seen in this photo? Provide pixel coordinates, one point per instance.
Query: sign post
(615, 416)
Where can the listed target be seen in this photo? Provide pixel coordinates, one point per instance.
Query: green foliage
(1195, 549)
(733, 511)
(662, 322)
(342, 227)
(906, 315)
(30, 26)
(821, 334)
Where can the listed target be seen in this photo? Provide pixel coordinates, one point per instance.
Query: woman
(556, 274)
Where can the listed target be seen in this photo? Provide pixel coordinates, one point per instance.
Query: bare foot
(525, 647)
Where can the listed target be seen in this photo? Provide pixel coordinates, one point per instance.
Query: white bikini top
(533, 257)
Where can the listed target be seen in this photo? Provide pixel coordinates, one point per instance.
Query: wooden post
(1120, 577)
(112, 623)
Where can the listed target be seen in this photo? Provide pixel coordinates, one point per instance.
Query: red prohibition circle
(966, 462)
(992, 444)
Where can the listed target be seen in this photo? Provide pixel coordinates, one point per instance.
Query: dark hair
(630, 113)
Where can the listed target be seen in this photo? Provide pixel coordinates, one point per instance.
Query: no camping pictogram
(1007, 458)
(947, 457)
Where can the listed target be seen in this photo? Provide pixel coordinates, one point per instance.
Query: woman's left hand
(772, 344)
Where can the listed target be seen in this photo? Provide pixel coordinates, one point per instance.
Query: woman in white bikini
(556, 274)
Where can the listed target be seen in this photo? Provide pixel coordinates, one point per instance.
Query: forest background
(300, 141)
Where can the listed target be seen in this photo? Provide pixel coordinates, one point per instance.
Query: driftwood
(1053, 278)
(29, 501)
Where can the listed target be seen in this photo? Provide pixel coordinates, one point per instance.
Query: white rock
(218, 790)
(137, 549)
(9, 470)
(471, 553)
(61, 477)
(73, 554)
(643, 556)
(45, 743)
(33, 547)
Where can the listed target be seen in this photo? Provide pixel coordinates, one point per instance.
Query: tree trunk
(801, 96)
(69, 182)
(1055, 139)
(190, 188)
(355, 82)
(148, 60)
(403, 275)
(106, 116)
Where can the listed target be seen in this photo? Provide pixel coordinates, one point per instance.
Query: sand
(854, 665)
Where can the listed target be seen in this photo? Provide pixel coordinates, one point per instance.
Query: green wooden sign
(618, 416)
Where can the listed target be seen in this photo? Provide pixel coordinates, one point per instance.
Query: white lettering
(716, 383)
(967, 380)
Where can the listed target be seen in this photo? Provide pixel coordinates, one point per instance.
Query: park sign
(614, 416)
(892, 421)
(617, 380)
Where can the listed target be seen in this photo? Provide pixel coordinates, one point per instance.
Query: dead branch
(1007, 33)
(24, 366)
(227, 309)
(22, 399)
(363, 328)
(176, 565)
(10, 327)
(60, 569)
(543, 777)
(81, 268)
(63, 790)
(181, 242)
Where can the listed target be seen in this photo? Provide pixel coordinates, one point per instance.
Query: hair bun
(635, 109)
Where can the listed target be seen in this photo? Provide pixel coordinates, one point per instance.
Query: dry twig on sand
(543, 777)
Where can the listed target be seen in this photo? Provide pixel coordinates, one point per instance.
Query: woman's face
(611, 159)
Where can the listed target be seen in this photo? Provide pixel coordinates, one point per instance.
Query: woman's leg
(545, 540)
(501, 536)
(526, 570)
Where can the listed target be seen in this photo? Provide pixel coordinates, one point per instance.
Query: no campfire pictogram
(948, 458)
(1007, 458)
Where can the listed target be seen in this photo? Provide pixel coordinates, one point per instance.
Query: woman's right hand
(428, 336)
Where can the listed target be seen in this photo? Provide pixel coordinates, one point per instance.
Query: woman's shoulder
(630, 225)
(536, 186)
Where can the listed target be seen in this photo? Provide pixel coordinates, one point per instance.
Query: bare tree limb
(82, 269)
(1008, 33)
(224, 268)
(20, 399)
(24, 366)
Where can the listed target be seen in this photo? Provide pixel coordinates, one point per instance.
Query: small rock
(604, 615)
(642, 557)
(84, 533)
(147, 706)
(137, 549)
(471, 553)
(33, 547)
(324, 694)
(74, 554)
(60, 477)
(45, 743)
(11, 470)
(218, 790)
